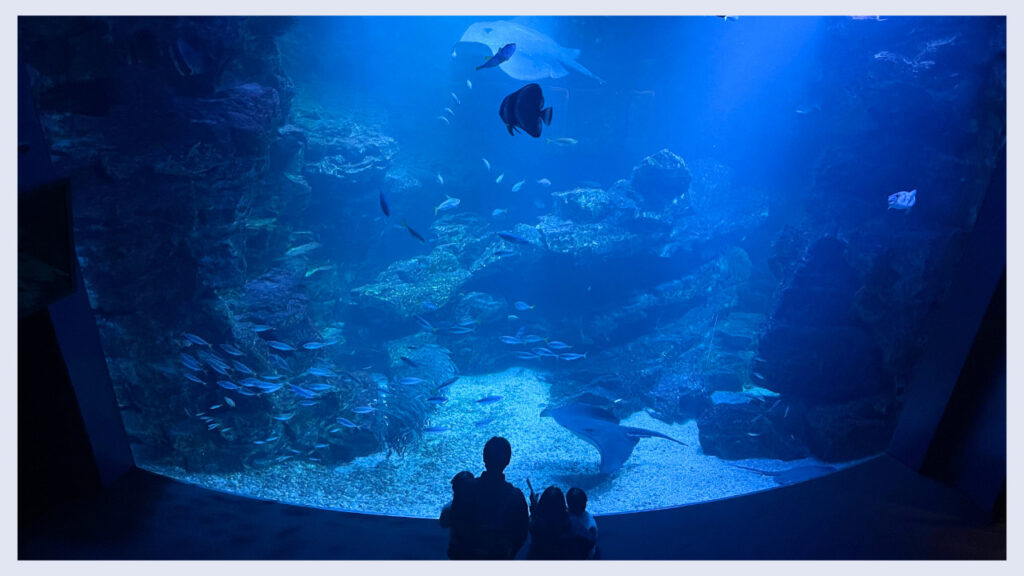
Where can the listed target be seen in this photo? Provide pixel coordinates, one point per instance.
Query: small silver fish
(303, 249)
(499, 211)
(449, 204)
(518, 185)
(449, 110)
(444, 119)
(456, 98)
(314, 271)
(486, 164)
(563, 141)
(544, 182)
(440, 180)
(190, 362)
(469, 84)
(196, 339)
(499, 178)
(231, 350)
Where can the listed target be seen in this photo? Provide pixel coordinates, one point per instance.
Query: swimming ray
(536, 57)
(601, 428)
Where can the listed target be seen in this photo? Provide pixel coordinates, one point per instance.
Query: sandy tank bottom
(659, 474)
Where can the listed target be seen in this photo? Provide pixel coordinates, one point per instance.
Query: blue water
(708, 217)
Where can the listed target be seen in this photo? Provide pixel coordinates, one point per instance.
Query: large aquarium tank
(670, 259)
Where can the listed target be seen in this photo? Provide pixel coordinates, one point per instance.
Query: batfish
(536, 56)
(601, 428)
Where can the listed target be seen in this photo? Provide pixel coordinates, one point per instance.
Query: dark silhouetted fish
(601, 428)
(513, 238)
(503, 54)
(409, 362)
(524, 109)
(384, 205)
(414, 233)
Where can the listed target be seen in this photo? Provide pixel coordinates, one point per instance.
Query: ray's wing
(615, 448)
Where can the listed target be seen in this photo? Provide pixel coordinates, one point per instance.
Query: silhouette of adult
(549, 526)
(493, 521)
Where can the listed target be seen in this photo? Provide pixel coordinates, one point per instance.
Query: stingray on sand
(601, 428)
(536, 56)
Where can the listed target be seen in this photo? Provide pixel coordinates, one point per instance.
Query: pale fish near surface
(903, 200)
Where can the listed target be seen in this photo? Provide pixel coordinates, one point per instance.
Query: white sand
(659, 474)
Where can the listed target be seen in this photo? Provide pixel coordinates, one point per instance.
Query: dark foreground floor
(877, 510)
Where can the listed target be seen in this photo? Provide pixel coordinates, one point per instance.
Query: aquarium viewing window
(670, 259)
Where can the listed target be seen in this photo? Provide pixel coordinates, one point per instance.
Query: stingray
(537, 56)
(601, 428)
(794, 474)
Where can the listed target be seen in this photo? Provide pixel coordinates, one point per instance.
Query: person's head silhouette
(497, 454)
(576, 500)
(552, 502)
(461, 481)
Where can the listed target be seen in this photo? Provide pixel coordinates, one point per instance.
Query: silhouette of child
(454, 515)
(582, 527)
(549, 526)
